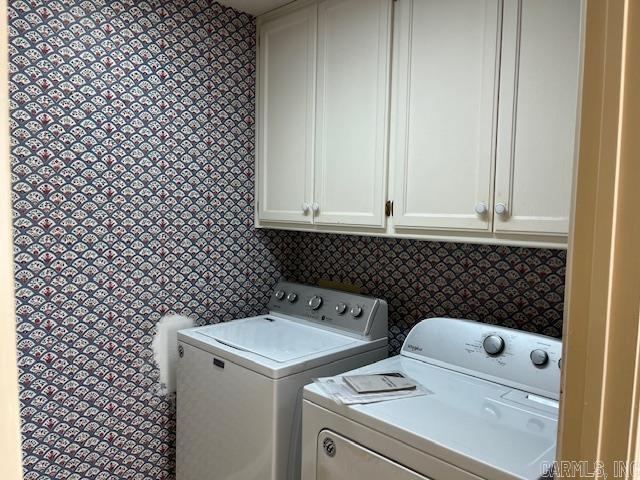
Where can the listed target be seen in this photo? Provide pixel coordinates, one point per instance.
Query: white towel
(165, 349)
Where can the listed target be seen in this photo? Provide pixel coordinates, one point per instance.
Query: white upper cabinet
(537, 119)
(459, 115)
(354, 50)
(286, 114)
(444, 112)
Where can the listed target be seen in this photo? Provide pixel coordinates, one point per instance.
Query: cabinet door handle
(501, 208)
(481, 208)
(315, 207)
(306, 207)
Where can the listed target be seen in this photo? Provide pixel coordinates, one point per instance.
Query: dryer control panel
(515, 358)
(357, 315)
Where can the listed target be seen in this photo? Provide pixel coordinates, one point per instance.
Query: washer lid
(275, 338)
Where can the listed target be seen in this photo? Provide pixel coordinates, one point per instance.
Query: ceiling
(254, 7)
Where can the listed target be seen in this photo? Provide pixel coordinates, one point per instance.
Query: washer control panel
(523, 360)
(358, 315)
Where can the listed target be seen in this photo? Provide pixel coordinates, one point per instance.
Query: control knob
(356, 311)
(341, 308)
(315, 302)
(493, 345)
(280, 294)
(539, 358)
(292, 297)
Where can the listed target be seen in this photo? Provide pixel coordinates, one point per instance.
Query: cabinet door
(444, 116)
(354, 49)
(538, 112)
(287, 66)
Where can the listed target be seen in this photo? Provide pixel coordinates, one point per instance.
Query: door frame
(600, 396)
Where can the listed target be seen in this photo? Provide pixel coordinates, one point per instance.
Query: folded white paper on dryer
(358, 389)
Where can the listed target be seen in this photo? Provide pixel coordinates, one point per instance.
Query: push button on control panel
(341, 308)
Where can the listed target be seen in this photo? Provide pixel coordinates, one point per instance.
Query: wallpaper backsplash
(510, 286)
(132, 126)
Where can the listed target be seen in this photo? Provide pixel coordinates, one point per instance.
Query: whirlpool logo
(414, 348)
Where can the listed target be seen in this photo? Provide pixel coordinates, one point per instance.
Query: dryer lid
(275, 338)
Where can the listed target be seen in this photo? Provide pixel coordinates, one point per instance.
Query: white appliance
(239, 397)
(493, 413)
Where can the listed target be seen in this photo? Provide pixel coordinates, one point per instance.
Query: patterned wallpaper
(132, 128)
(514, 287)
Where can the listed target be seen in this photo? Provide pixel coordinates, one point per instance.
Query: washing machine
(239, 383)
(492, 411)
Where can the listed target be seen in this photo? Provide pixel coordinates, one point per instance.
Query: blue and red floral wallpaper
(514, 287)
(133, 127)
(132, 130)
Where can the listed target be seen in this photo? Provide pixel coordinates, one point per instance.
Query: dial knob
(280, 294)
(292, 297)
(493, 345)
(539, 358)
(356, 311)
(315, 302)
(481, 208)
(341, 308)
(500, 208)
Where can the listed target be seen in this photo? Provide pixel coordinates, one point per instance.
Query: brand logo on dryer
(414, 348)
